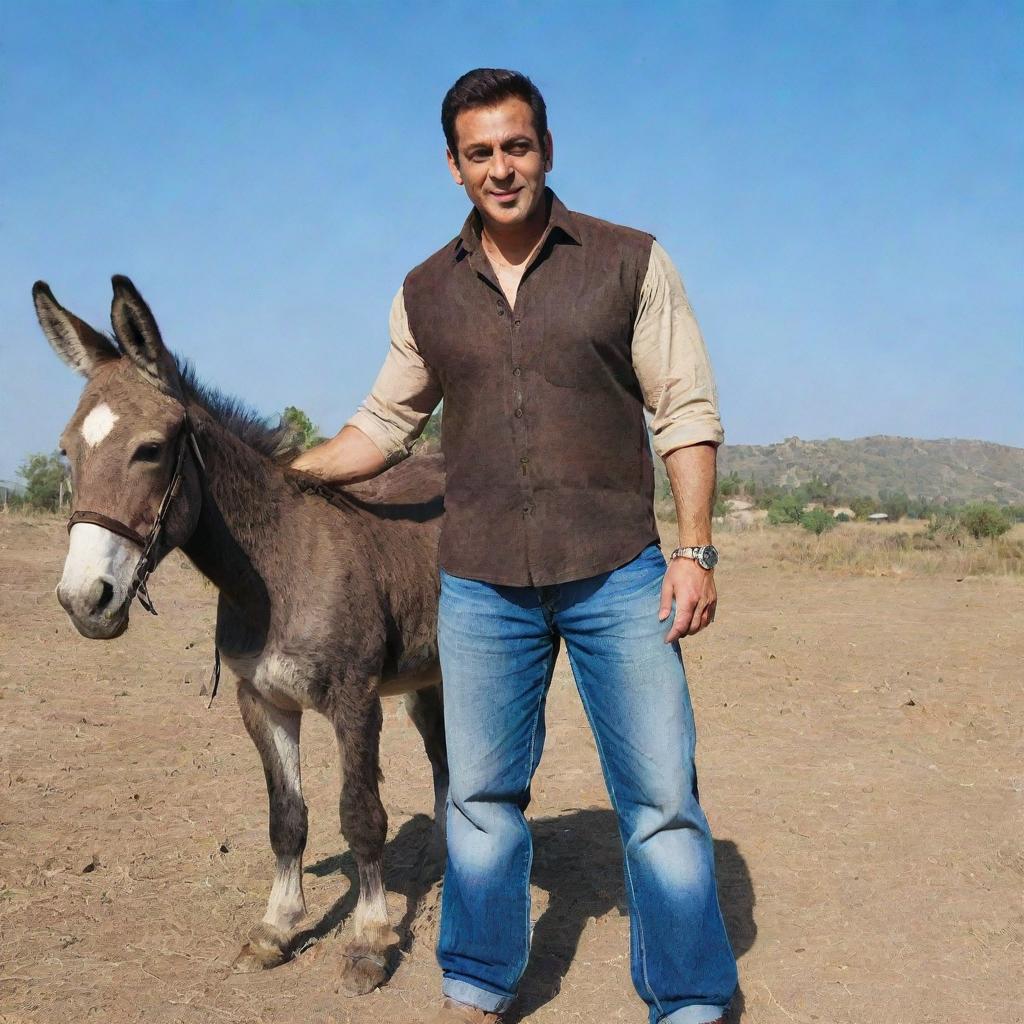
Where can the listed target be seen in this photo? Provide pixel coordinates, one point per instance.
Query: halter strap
(113, 525)
(147, 560)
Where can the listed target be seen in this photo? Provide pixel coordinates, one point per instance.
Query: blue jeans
(498, 647)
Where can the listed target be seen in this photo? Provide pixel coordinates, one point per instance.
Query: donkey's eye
(149, 452)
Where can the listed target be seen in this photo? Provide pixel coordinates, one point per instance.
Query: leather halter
(147, 560)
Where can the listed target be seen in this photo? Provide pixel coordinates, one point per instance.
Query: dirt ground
(859, 756)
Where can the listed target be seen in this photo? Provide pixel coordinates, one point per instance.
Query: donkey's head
(124, 444)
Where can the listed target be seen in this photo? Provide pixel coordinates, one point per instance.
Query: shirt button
(524, 460)
(501, 309)
(518, 322)
(519, 413)
(526, 510)
(516, 371)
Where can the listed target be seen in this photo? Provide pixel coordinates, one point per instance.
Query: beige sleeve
(671, 362)
(404, 394)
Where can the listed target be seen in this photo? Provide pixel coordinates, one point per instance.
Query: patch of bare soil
(860, 762)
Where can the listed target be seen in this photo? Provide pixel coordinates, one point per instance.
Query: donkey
(327, 598)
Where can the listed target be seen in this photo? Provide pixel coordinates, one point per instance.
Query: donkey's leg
(426, 709)
(276, 734)
(364, 823)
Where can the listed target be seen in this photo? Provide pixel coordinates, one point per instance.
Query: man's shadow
(578, 862)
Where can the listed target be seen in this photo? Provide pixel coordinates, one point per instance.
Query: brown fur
(325, 595)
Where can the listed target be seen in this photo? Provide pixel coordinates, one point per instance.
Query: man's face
(501, 162)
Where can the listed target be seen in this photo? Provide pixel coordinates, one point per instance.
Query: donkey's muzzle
(92, 611)
(96, 584)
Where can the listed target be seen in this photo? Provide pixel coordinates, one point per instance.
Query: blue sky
(839, 184)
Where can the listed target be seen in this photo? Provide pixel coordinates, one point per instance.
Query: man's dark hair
(486, 87)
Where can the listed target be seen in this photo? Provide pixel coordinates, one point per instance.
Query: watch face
(709, 556)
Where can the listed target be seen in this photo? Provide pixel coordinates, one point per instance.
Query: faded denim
(498, 647)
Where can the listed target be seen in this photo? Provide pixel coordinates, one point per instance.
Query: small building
(878, 517)
(848, 512)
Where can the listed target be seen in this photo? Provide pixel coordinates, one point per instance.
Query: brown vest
(549, 472)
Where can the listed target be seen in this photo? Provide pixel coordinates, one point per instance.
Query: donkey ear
(81, 347)
(139, 337)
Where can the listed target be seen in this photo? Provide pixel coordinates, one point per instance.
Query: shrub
(922, 508)
(818, 520)
(301, 427)
(863, 506)
(786, 508)
(730, 485)
(895, 504)
(46, 479)
(984, 520)
(814, 489)
(946, 526)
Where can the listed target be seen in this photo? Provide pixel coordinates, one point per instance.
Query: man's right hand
(348, 457)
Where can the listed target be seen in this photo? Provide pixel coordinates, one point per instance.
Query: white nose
(87, 601)
(97, 574)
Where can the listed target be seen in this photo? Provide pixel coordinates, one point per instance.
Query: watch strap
(691, 552)
(698, 554)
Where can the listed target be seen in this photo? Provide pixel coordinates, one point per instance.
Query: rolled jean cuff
(694, 1015)
(490, 1002)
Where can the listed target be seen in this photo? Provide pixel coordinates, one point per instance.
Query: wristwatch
(706, 555)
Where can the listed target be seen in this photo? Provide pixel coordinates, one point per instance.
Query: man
(548, 333)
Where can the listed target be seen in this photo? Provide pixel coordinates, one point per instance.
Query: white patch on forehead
(98, 424)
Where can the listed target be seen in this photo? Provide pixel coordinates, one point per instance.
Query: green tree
(299, 423)
(730, 485)
(817, 520)
(921, 508)
(895, 504)
(787, 508)
(816, 489)
(984, 519)
(431, 436)
(863, 506)
(768, 494)
(44, 476)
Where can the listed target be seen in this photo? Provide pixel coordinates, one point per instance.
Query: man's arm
(691, 473)
(346, 458)
(391, 417)
(674, 371)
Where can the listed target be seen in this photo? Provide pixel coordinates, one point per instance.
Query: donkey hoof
(267, 947)
(363, 973)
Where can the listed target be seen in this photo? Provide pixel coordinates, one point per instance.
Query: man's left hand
(693, 590)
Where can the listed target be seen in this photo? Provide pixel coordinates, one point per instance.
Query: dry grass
(866, 549)
(863, 549)
(27, 513)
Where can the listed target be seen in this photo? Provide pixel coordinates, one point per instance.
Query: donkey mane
(279, 443)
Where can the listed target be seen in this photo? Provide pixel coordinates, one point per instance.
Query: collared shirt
(553, 389)
(670, 360)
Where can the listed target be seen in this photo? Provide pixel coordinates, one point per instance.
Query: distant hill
(948, 469)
